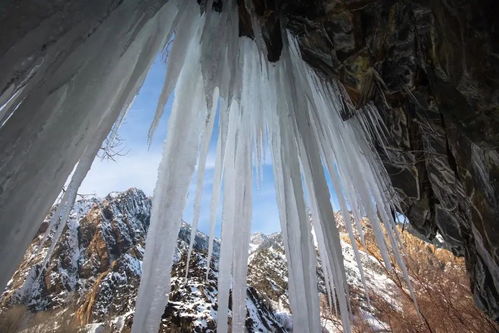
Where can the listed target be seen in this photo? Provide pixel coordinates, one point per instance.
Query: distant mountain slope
(96, 266)
(268, 274)
(91, 281)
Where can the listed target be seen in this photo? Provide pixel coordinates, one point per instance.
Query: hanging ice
(283, 105)
(59, 100)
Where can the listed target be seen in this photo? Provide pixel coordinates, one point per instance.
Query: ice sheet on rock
(75, 95)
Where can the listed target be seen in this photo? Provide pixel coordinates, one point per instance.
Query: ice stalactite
(295, 228)
(282, 105)
(215, 197)
(205, 144)
(177, 166)
(66, 95)
(237, 207)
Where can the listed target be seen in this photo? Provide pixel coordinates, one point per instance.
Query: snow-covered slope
(93, 275)
(268, 274)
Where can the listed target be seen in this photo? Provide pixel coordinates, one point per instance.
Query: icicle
(38, 158)
(229, 214)
(296, 234)
(184, 25)
(205, 144)
(329, 156)
(214, 204)
(308, 149)
(243, 185)
(175, 172)
(62, 212)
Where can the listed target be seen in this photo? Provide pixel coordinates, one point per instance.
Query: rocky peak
(92, 279)
(257, 240)
(94, 272)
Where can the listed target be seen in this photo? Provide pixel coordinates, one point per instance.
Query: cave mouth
(399, 124)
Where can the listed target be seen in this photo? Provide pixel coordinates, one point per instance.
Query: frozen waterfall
(56, 113)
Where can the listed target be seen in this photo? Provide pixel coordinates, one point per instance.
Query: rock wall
(432, 69)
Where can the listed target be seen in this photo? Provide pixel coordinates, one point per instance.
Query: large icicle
(293, 216)
(230, 209)
(205, 144)
(117, 112)
(175, 173)
(239, 183)
(236, 222)
(65, 95)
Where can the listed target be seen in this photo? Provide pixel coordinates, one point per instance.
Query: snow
(257, 240)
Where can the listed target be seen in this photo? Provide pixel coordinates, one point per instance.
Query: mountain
(91, 280)
(93, 274)
(268, 271)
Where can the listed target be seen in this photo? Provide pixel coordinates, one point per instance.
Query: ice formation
(284, 105)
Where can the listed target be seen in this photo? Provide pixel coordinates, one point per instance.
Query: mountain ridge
(91, 280)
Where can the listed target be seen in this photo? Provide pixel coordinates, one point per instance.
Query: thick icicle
(205, 144)
(295, 229)
(236, 212)
(72, 89)
(243, 185)
(230, 209)
(117, 112)
(175, 173)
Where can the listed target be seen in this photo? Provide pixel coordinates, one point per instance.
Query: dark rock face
(432, 70)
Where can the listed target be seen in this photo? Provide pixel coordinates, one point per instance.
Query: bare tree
(112, 148)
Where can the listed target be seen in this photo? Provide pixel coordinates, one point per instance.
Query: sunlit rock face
(432, 68)
(95, 269)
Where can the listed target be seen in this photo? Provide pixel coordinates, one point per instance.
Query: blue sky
(138, 167)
